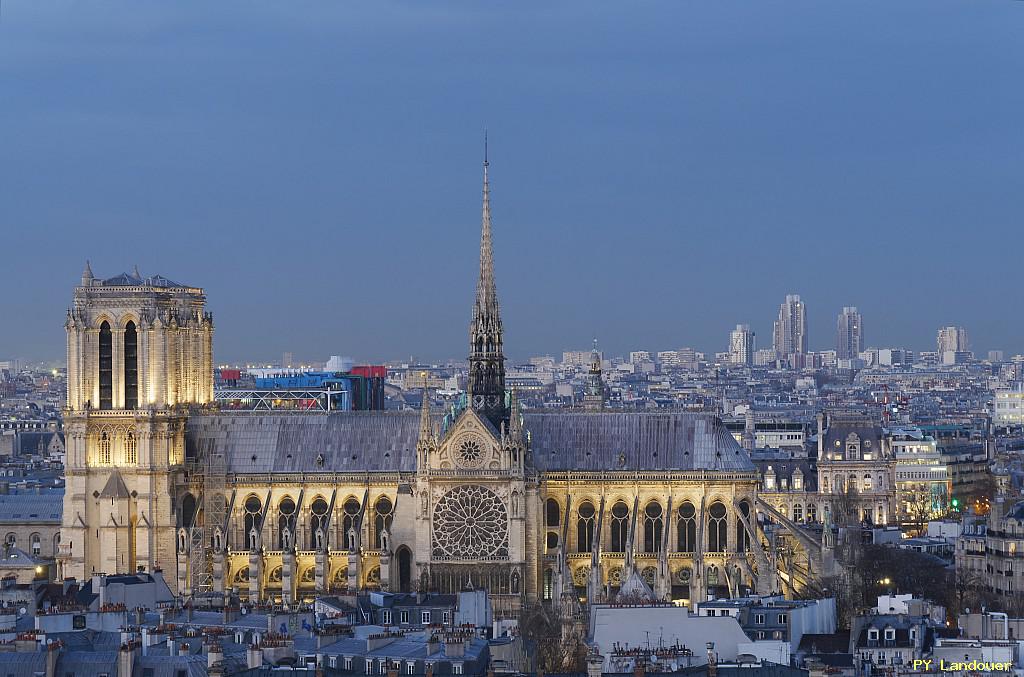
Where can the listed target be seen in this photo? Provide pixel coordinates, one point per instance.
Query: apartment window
(385, 617)
(759, 619)
(447, 617)
(711, 612)
(456, 668)
(410, 668)
(873, 634)
(890, 634)
(782, 619)
(404, 616)
(425, 617)
(332, 661)
(348, 662)
(383, 667)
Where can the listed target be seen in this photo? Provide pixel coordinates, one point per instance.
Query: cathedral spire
(486, 291)
(486, 386)
(87, 277)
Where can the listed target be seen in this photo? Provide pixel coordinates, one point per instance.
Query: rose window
(469, 454)
(615, 576)
(580, 576)
(470, 523)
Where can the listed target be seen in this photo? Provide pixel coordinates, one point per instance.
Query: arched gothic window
(552, 512)
(285, 523)
(350, 521)
(653, 523)
(718, 530)
(383, 515)
(105, 456)
(620, 526)
(251, 521)
(131, 454)
(317, 522)
(106, 355)
(585, 527)
(686, 536)
(131, 366)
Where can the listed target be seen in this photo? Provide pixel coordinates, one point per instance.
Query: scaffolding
(214, 514)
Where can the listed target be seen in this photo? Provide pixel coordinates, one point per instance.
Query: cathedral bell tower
(139, 356)
(486, 388)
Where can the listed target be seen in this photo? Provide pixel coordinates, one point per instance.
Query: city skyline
(308, 196)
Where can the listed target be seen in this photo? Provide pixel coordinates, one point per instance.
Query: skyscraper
(741, 345)
(849, 334)
(790, 335)
(952, 339)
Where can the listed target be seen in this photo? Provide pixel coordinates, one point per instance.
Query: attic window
(890, 634)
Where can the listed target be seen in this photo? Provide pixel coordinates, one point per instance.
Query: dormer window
(873, 634)
(798, 481)
(852, 447)
(890, 634)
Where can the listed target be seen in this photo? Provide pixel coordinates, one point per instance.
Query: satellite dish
(244, 611)
(22, 611)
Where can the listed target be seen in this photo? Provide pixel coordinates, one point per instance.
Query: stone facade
(564, 506)
(140, 354)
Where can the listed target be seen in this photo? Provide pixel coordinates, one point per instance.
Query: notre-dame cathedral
(565, 505)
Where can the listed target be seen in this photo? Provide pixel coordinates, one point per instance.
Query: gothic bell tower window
(131, 367)
(106, 356)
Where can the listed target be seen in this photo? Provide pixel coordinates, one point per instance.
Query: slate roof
(132, 280)
(286, 442)
(32, 508)
(633, 441)
(386, 441)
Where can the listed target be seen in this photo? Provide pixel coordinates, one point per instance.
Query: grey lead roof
(386, 441)
(633, 441)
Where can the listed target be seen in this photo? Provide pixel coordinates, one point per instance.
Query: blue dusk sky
(660, 170)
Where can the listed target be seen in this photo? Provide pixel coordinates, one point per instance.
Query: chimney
(52, 654)
(430, 671)
(712, 660)
(126, 659)
(140, 616)
(215, 656)
(172, 646)
(100, 588)
(638, 668)
(821, 435)
(595, 664)
(253, 656)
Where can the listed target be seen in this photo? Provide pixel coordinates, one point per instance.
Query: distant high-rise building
(669, 358)
(287, 360)
(688, 358)
(995, 356)
(765, 357)
(849, 334)
(741, 345)
(638, 356)
(952, 339)
(790, 335)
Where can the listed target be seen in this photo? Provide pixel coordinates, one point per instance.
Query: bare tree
(557, 647)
